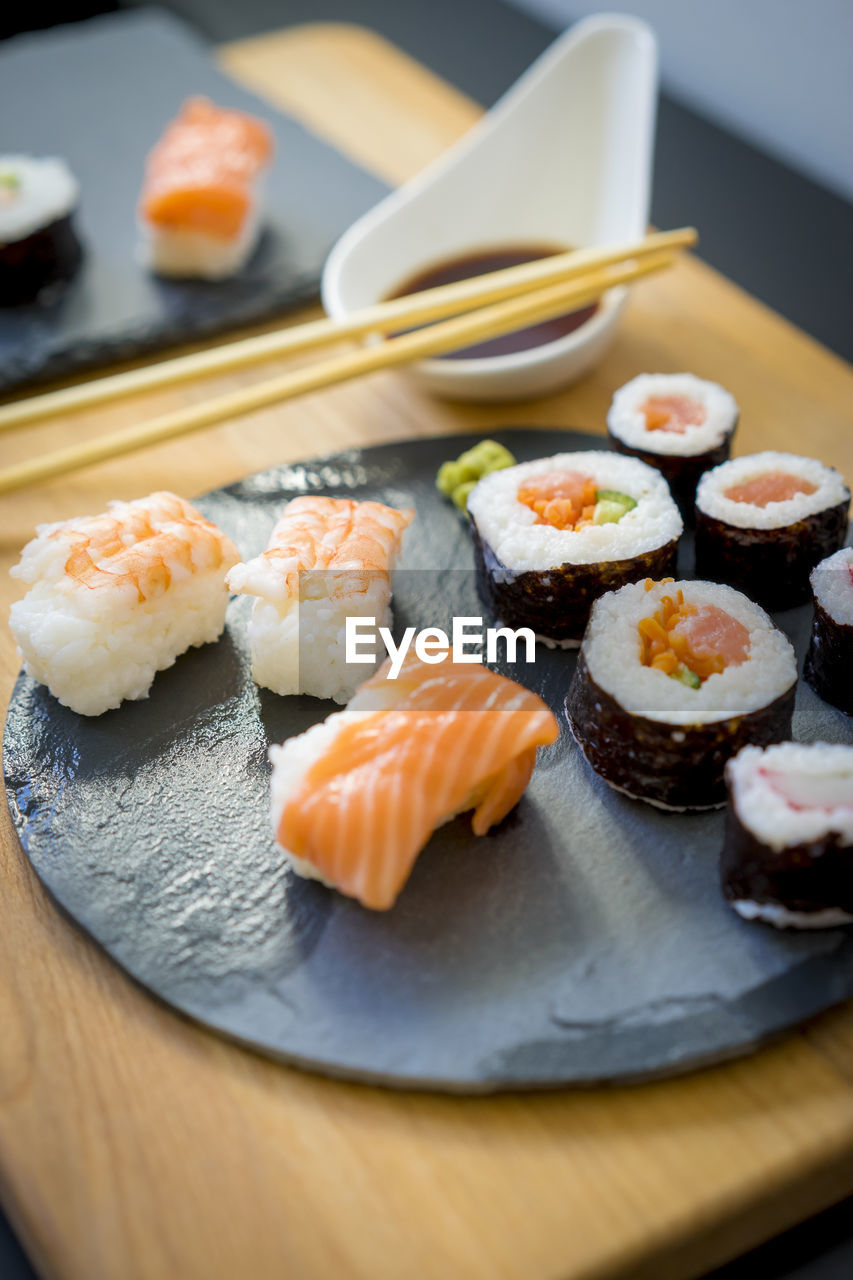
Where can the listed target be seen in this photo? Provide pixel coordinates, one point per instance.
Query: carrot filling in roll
(672, 413)
(564, 499)
(772, 486)
(691, 642)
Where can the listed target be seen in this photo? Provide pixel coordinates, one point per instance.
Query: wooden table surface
(133, 1144)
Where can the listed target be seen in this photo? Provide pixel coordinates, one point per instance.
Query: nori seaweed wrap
(676, 422)
(829, 661)
(551, 536)
(764, 521)
(663, 733)
(788, 850)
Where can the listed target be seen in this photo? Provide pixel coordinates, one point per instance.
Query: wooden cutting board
(133, 1144)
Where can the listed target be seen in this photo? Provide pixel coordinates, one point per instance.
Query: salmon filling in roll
(771, 486)
(672, 413)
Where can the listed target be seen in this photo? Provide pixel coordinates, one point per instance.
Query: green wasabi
(460, 494)
(457, 478)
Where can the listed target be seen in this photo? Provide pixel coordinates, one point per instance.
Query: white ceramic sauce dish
(564, 158)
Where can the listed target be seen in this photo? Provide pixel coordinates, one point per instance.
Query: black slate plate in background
(584, 940)
(99, 94)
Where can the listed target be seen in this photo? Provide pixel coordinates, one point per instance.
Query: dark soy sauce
(479, 264)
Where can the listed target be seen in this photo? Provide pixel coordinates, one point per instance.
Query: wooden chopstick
(448, 335)
(398, 313)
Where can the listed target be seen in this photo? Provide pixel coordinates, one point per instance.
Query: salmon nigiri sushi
(328, 559)
(114, 598)
(356, 798)
(199, 211)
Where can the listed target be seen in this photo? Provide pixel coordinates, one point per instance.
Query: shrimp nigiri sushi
(356, 798)
(328, 559)
(199, 211)
(115, 598)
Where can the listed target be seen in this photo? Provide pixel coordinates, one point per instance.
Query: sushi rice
(832, 584)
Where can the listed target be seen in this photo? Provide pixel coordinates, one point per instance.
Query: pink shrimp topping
(346, 541)
(142, 544)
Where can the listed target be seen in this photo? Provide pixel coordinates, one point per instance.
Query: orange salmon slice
(672, 413)
(460, 737)
(709, 631)
(564, 499)
(200, 176)
(772, 486)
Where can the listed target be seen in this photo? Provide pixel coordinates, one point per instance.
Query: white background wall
(777, 72)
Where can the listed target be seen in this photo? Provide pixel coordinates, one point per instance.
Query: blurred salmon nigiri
(356, 798)
(199, 210)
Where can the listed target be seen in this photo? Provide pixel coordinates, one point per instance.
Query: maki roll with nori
(788, 852)
(38, 245)
(551, 535)
(829, 661)
(673, 678)
(676, 422)
(764, 521)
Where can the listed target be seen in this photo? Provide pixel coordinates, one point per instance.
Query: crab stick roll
(829, 661)
(356, 798)
(673, 678)
(199, 211)
(788, 851)
(552, 535)
(676, 422)
(765, 520)
(328, 559)
(115, 598)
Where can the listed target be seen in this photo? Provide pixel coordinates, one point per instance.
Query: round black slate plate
(584, 940)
